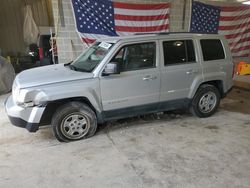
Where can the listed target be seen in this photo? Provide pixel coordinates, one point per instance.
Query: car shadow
(141, 120)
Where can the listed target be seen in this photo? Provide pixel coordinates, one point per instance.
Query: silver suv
(123, 77)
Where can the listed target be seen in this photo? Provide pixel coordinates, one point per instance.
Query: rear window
(178, 52)
(212, 49)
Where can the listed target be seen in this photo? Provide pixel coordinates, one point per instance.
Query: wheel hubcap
(75, 126)
(207, 102)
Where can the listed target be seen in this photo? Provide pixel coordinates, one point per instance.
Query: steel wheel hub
(75, 126)
(207, 102)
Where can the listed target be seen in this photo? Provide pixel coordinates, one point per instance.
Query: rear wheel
(74, 121)
(206, 101)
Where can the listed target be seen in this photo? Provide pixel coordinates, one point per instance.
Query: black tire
(201, 107)
(74, 121)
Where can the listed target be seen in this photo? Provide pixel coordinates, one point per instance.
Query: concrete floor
(174, 150)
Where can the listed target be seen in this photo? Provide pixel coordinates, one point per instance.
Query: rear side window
(178, 52)
(212, 49)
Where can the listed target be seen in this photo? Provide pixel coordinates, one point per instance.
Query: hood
(50, 74)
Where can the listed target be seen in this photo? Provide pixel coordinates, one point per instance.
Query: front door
(136, 89)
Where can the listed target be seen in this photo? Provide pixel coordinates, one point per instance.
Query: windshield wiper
(67, 64)
(72, 67)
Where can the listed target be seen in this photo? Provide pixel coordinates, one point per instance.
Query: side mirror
(111, 68)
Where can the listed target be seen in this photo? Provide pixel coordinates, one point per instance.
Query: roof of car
(159, 36)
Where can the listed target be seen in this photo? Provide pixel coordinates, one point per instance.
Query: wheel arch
(52, 106)
(217, 83)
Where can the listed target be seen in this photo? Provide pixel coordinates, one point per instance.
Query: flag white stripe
(234, 32)
(140, 23)
(238, 38)
(234, 22)
(93, 36)
(240, 45)
(241, 53)
(235, 13)
(141, 12)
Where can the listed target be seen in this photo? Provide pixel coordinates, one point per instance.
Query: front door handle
(192, 71)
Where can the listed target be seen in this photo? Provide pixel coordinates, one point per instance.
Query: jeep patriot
(122, 77)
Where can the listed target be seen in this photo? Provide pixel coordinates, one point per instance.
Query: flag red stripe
(244, 55)
(141, 18)
(135, 6)
(230, 36)
(233, 9)
(141, 29)
(235, 50)
(234, 27)
(88, 40)
(240, 41)
(234, 18)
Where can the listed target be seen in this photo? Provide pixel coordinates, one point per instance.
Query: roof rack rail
(162, 33)
(167, 33)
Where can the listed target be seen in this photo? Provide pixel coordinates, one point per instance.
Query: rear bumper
(28, 118)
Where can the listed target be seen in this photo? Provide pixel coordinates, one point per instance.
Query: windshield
(89, 60)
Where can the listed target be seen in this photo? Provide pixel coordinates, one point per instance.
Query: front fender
(88, 88)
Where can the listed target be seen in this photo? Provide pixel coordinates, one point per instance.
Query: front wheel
(206, 101)
(74, 121)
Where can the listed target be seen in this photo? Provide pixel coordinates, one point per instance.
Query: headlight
(29, 98)
(21, 95)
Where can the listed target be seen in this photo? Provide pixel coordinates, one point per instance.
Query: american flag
(232, 22)
(101, 18)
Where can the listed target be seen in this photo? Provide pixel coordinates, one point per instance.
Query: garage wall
(70, 45)
(11, 22)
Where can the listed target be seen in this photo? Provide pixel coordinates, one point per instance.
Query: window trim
(182, 63)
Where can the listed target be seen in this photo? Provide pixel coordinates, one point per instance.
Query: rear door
(179, 69)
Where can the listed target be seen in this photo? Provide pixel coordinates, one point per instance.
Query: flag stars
(95, 17)
(205, 18)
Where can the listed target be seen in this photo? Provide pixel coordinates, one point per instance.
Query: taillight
(41, 53)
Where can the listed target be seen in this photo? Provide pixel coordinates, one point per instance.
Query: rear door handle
(147, 78)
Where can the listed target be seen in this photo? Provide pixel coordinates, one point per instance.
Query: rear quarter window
(212, 49)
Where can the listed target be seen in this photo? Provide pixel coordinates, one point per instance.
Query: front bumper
(28, 118)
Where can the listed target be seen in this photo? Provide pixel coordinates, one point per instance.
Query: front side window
(136, 56)
(212, 49)
(178, 52)
(88, 61)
